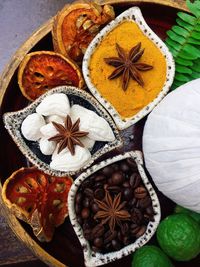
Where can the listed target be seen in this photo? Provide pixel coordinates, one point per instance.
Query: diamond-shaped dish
(94, 258)
(132, 14)
(30, 149)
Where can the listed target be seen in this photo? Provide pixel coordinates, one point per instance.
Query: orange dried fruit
(38, 199)
(42, 70)
(76, 25)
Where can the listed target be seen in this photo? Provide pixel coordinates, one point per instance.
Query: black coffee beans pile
(121, 177)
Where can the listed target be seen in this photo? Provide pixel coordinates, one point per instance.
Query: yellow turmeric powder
(131, 101)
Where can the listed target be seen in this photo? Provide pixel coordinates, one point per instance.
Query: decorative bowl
(30, 149)
(95, 258)
(132, 14)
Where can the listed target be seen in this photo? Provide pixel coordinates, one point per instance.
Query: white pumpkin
(171, 145)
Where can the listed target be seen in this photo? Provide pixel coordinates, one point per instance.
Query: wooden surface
(10, 100)
(12, 251)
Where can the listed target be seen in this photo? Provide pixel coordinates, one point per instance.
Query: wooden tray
(65, 250)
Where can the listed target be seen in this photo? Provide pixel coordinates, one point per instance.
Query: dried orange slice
(76, 25)
(38, 199)
(42, 70)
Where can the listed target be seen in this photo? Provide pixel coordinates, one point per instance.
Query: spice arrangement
(113, 207)
(120, 64)
(81, 149)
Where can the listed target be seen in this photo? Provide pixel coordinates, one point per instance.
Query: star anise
(127, 66)
(68, 135)
(111, 211)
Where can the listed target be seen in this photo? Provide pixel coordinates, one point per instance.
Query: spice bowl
(130, 93)
(113, 209)
(15, 125)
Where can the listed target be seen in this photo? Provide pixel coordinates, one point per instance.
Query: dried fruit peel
(38, 199)
(42, 70)
(76, 25)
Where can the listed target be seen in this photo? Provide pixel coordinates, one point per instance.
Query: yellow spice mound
(131, 101)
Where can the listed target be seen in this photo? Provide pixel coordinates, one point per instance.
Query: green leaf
(191, 50)
(175, 37)
(176, 84)
(194, 7)
(185, 55)
(181, 77)
(196, 65)
(195, 34)
(184, 62)
(187, 18)
(180, 31)
(171, 43)
(183, 69)
(184, 24)
(195, 75)
(193, 41)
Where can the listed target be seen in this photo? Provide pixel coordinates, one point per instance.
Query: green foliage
(184, 43)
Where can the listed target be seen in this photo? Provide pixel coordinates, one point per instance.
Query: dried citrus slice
(42, 70)
(76, 25)
(38, 199)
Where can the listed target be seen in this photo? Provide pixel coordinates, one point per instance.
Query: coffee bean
(97, 231)
(107, 171)
(117, 178)
(135, 230)
(110, 182)
(115, 167)
(109, 236)
(120, 236)
(131, 163)
(98, 242)
(85, 213)
(77, 208)
(150, 210)
(128, 193)
(140, 192)
(136, 216)
(86, 183)
(99, 193)
(116, 245)
(144, 202)
(126, 240)
(87, 234)
(135, 180)
(86, 202)
(132, 203)
(98, 185)
(88, 192)
(126, 184)
(141, 231)
(125, 229)
(95, 207)
(99, 178)
(114, 188)
(78, 198)
(124, 167)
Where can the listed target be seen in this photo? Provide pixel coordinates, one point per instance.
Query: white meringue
(98, 127)
(55, 118)
(55, 104)
(47, 147)
(88, 142)
(65, 161)
(31, 126)
(48, 130)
